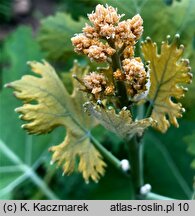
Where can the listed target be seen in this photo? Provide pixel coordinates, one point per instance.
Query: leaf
(14, 143)
(169, 2)
(169, 153)
(189, 100)
(55, 34)
(78, 8)
(168, 71)
(121, 123)
(6, 10)
(193, 196)
(190, 140)
(47, 104)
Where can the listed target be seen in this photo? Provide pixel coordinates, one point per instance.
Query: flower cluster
(95, 82)
(107, 39)
(93, 48)
(135, 75)
(106, 25)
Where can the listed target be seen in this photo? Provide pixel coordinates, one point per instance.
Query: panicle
(100, 40)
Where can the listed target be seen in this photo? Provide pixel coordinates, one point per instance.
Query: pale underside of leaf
(47, 104)
(121, 123)
(168, 72)
(90, 163)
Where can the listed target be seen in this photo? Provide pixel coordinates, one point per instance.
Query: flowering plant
(111, 95)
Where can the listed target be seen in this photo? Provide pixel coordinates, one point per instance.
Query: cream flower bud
(124, 30)
(135, 75)
(103, 15)
(137, 26)
(95, 83)
(97, 53)
(107, 31)
(90, 31)
(81, 42)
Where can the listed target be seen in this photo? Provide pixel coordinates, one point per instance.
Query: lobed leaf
(47, 104)
(168, 72)
(55, 33)
(122, 123)
(20, 154)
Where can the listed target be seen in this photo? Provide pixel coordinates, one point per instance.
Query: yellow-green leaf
(47, 104)
(121, 123)
(168, 72)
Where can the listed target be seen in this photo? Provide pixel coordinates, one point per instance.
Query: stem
(120, 86)
(149, 110)
(135, 147)
(153, 196)
(27, 170)
(106, 154)
(47, 179)
(140, 112)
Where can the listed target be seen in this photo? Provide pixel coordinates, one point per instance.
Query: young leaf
(55, 33)
(121, 123)
(168, 71)
(47, 104)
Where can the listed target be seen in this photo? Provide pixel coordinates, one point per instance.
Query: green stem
(140, 112)
(47, 179)
(149, 110)
(135, 147)
(153, 196)
(106, 154)
(26, 170)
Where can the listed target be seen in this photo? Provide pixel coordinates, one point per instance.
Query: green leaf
(168, 153)
(190, 140)
(20, 155)
(77, 8)
(55, 35)
(121, 123)
(193, 196)
(114, 186)
(53, 107)
(167, 72)
(6, 10)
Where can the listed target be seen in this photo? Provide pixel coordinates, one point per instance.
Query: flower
(135, 75)
(104, 16)
(136, 24)
(95, 83)
(81, 42)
